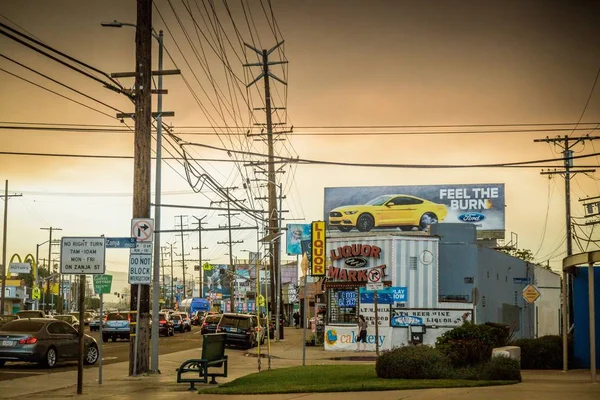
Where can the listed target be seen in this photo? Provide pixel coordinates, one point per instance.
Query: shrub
(413, 362)
(471, 344)
(541, 353)
(501, 369)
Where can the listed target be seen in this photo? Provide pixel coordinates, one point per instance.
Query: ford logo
(355, 262)
(471, 217)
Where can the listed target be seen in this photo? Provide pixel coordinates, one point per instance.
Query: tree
(28, 278)
(523, 254)
(92, 303)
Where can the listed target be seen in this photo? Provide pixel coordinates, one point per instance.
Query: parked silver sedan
(45, 341)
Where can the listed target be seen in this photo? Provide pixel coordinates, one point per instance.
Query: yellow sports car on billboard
(392, 210)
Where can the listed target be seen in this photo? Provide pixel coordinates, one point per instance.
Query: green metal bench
(213, 356)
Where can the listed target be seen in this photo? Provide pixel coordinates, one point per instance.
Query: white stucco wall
(547, 306)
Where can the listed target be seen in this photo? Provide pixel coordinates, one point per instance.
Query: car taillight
(162, 321)
(29, 340)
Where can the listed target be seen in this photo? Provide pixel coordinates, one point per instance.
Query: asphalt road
(113, 352)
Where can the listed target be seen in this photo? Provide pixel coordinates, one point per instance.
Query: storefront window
(343, 305)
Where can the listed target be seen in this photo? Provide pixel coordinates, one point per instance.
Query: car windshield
(234, 321)
(23, 325)
(212, 319)
(116, 317)
(378, 201)
(175, 316)
(6, 318)
(30, 314)
(162, 316)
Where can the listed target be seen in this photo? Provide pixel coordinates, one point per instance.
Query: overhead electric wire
(60, 83)
(587, 102)
(118, 89)
(324, 162)
(114, 129)
(58, 94)
(189, 87)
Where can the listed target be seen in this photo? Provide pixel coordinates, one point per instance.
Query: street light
(156, 265)
(37, 266)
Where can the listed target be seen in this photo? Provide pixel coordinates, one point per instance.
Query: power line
(60, 83)
(587, 103)
(58, 94)
(118, 88)
(377, 165)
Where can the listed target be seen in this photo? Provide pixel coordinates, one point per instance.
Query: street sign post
(82, 255)
(102, 284)
(531, 293)
(142, 229)
(140, 264)
(375, 286)
(120, 242)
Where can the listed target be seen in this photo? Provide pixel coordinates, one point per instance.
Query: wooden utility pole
(272, 194)
(200, 248)
(141, 173)
(567, 143)
(230, 242)
(59, 305)
(182, 252)
(6, 197)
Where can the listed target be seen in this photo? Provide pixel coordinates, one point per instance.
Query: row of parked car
(117, 325)
(242, 330)
(70, 318)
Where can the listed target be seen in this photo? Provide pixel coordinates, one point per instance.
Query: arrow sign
(142, 229)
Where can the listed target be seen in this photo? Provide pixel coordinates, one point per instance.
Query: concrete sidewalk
(547, 385)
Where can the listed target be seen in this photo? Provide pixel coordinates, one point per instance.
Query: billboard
(378, 208)
(295, 235)
(216, 281)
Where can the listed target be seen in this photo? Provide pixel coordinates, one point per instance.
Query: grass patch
(332, 378)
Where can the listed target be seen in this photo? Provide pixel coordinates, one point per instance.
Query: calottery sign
(376, 208)
(318, 249)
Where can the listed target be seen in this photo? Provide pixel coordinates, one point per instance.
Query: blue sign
(388, 295)
(399, 294)
(406, 320)
(121, 243)
(346, 298)
(518, 281)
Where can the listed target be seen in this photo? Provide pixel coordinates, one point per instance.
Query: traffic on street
(113, 352)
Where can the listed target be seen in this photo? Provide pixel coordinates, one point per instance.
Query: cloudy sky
(414, 77)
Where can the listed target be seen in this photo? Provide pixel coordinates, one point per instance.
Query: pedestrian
(296, 317)
(362, 333)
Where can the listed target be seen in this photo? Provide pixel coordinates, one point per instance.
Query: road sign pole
(101, 341)
(376, 323)
(81, 341)
(137, 330)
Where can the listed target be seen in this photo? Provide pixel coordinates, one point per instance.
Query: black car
(210, 323)
(45, 341)
(165, 325)
(241, 330)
